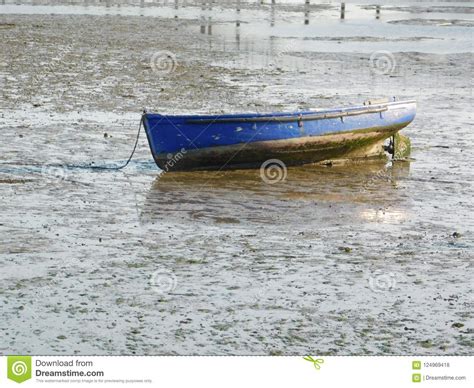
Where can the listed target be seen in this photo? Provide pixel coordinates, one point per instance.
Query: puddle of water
(298, 27)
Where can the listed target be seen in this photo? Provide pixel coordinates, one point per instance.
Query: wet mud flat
(371, 259)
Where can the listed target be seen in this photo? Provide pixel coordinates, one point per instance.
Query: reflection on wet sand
(243, 196)
(304, 6)
(254, 25)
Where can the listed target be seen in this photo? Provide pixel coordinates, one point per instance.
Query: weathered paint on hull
(360, 144)
(248, 140)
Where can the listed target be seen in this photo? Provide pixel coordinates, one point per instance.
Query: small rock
(426, 344)
(457, 325)
(106, 135)
(345, 249)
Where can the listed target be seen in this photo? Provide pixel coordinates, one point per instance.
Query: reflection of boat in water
(248, 140)
(234, 196)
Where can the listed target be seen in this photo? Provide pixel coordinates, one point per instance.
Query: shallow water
(364, 259)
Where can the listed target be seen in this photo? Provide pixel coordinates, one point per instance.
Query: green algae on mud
(402, 146)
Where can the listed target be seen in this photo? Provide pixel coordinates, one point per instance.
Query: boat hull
(247, 141)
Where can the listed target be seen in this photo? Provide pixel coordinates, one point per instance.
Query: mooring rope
(88, 167)
(123, 165)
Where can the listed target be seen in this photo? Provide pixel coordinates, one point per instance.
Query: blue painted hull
(247, 140)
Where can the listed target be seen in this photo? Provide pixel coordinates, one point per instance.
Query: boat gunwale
(285, 116)
(283, 119)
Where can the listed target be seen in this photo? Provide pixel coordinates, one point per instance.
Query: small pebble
(345, 249)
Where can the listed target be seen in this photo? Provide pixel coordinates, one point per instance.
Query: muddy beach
(366, 259)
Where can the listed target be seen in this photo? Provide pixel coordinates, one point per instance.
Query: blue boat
(190, 142)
